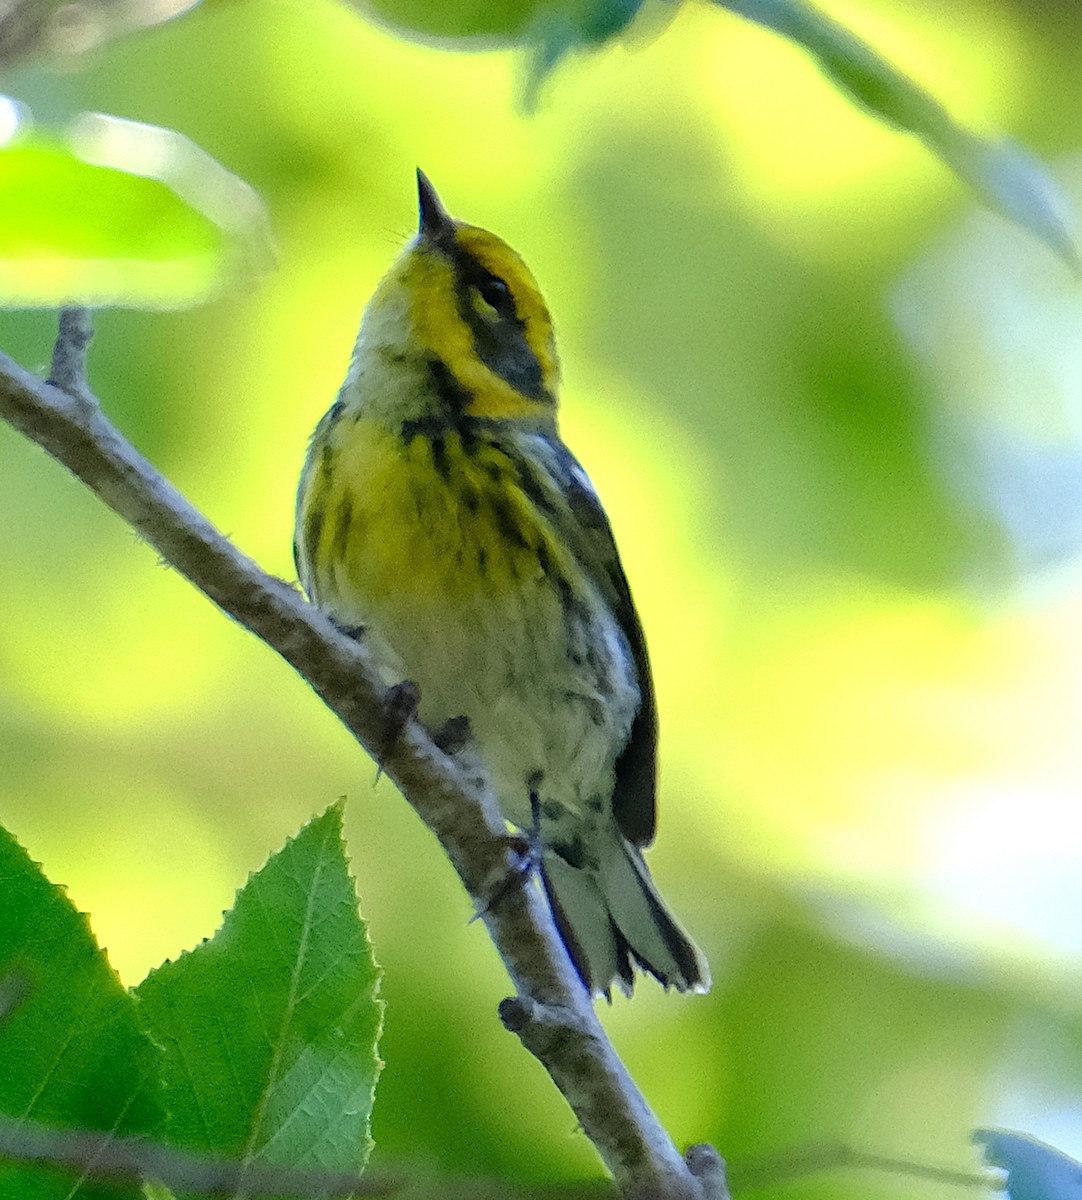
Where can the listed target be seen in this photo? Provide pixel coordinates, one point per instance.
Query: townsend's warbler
(441, 516)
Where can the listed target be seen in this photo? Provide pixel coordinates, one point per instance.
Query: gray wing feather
(584, 528)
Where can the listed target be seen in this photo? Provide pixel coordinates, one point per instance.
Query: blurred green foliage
(58, 211)
(869, 730)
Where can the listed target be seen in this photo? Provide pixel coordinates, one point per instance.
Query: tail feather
(612, 916)
(598, 950)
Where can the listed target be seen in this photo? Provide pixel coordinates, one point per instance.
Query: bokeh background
(834, 413)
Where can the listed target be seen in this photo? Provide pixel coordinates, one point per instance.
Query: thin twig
(554, 1016)
(103, 1156)
(68, 370)
(771, 1170)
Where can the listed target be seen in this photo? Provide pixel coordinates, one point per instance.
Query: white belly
(549, 698)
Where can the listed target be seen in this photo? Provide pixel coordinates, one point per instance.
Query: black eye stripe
(491, 288)
(500, 341)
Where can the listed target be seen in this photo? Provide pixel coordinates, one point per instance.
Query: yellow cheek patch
(502, 403)
(482, 307)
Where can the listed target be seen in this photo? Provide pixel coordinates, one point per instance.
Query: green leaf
(121, 213)
(72, 1054)
(559, 28)
(1003, 176)
(270, 1028)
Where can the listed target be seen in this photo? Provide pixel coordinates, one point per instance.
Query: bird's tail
(612, 918)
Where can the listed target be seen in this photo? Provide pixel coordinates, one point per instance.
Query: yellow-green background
(869, 676)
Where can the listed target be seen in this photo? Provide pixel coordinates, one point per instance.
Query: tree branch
(552, 1013)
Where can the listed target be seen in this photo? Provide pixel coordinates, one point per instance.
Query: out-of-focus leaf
(548, 29)
(71, 1050)
(1004, 176)
(1034, 1171)
(456, 23)
(461, 24)
(557, 29)
(270, 1028)
(121, 213)
(994, 328)
(73, 231)
(33, 28)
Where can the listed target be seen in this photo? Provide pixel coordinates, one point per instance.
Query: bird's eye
(494, 292)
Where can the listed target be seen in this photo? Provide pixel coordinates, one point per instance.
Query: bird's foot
(402, 701)
(453, 735)
(524, 859)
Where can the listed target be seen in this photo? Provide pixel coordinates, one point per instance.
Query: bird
(442, 520)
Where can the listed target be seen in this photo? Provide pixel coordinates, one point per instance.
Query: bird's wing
(583, 527)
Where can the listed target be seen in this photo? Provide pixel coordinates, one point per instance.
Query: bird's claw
(523, 860)
(402, 701)
(452, 735)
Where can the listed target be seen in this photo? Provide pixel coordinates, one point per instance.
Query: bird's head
(460, 301)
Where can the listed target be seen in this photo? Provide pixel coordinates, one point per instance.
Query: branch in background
(103, 1156)
(552, 1013)
(1004, 176)
(68, 369)
(774, 1169)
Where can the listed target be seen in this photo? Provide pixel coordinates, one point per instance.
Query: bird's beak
(436, 225)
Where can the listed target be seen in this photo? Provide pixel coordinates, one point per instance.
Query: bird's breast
(461, 584)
